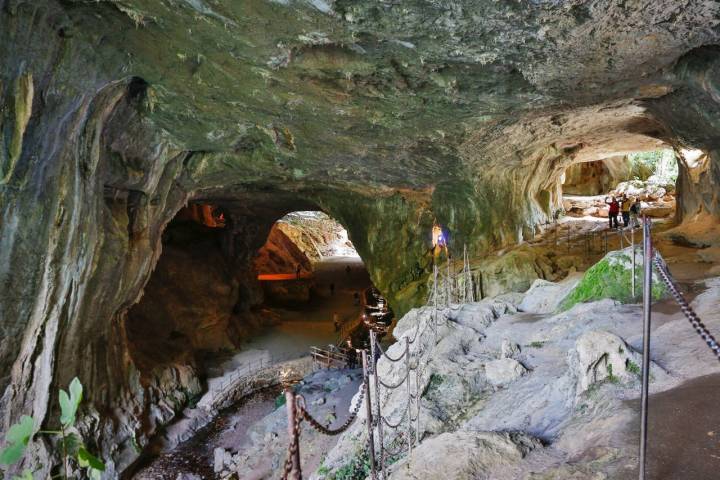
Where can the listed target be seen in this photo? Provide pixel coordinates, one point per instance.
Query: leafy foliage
(18, 437)
(69, 442)
(659, 163)
(70, 403)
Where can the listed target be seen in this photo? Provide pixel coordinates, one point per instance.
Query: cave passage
(311, 277)
(200, 305)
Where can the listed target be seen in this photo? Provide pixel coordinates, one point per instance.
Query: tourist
(625, 205)
(613, 210)
(297, 271)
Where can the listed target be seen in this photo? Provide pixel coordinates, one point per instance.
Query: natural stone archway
(116, 114)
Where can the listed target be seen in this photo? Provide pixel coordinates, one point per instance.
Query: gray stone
(503, 371)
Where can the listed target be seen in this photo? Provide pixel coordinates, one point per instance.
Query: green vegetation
(68, 441)
(280, 400)
(536, 344)
(632, 367)
(434, 383)
(659, 163)
(609, 278)
(357, 469)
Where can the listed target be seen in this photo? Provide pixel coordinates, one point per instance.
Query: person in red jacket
(613, 211)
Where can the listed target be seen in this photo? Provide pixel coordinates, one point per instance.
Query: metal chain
(330, 431)
(687, 310)
(393, 387)
(292, 448)
(388, 356)
(396, 425)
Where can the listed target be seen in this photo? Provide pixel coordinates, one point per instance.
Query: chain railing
(404, 424)
(653, 258)
(297, 412)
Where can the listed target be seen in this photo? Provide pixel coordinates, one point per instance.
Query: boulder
(464, 455)
(503, 371)
(658, 211)
(545, 297)
(601, 355)
(221, 459)
(611, 277)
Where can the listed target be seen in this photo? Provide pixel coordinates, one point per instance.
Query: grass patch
(536, 344)
(357, 469)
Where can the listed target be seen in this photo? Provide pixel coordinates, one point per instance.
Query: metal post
(568, 238)
(447, 282)
(606, 242)
(435, 298)
(371, 442)
(295, 473)
(417, 402)
(409, 426)
(632, 242)
(378, 413)
(647, 299)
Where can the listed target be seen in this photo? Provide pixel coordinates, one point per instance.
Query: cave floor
(683, 431)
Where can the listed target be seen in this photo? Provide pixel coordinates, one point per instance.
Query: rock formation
(386, 116)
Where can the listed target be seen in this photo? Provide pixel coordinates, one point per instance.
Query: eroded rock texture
(116, 114)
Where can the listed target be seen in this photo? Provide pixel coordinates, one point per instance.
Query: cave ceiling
(382, 94)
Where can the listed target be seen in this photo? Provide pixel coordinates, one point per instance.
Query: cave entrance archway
(314, 284)
(207, 296)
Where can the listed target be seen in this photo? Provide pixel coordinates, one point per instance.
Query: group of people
(627, 207)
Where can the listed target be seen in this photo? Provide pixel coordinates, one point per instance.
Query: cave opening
(646, 177)
(229, 288)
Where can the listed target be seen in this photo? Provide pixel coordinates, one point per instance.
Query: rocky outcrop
(568, 383)
(597, 177)
(503, 371)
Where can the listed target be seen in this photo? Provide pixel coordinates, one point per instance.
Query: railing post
(378, 412)
(632, 242)
(295, 473)
(409, 413)
(568, 238)
(647, 299)
(371, 442)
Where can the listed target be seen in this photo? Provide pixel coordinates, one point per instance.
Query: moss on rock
(611, 278)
